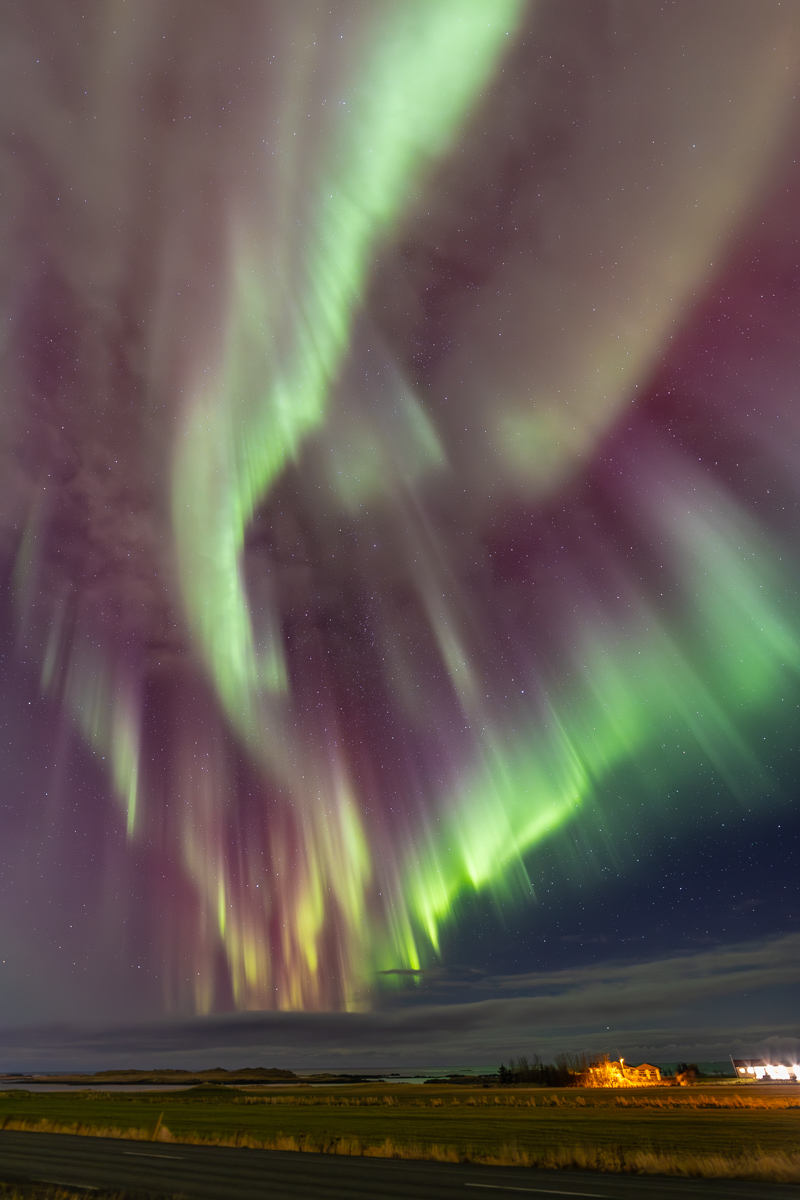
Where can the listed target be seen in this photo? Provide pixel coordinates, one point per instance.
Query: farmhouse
(620, 1074)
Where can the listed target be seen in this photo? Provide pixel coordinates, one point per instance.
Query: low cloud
(735, 999)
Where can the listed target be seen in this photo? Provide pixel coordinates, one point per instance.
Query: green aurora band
(649, 700)
(291, 312)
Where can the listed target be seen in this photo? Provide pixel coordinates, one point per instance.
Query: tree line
(569, 1070)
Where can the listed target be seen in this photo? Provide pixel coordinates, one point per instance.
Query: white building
(759, 1068)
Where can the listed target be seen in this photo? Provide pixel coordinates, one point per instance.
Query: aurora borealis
(400, 460)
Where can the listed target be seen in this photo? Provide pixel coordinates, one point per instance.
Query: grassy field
(699, 1131)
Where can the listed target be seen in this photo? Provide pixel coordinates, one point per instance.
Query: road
(221, 1173)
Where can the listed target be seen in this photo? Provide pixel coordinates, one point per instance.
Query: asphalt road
(220, 1173)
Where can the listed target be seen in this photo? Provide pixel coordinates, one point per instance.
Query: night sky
(400, 452)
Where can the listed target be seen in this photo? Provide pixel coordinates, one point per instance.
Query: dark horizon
(539, 1020)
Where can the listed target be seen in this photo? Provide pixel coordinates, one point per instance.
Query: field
(749, 1132)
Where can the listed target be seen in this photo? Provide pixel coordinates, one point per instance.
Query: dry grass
(704, 1100)
(653, 1098)
(47, 1191)
(773, 1167)
(85, 1129)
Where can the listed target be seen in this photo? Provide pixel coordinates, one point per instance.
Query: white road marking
(504, 1187)
(85, 1187)
(144, 1154)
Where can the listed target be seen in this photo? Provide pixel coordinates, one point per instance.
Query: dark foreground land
(161, 1078)
(714, 1132)
(220, 1173)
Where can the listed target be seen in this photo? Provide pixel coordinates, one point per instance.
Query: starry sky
(399, 623)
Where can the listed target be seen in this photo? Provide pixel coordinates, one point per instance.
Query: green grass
(572, 1127)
